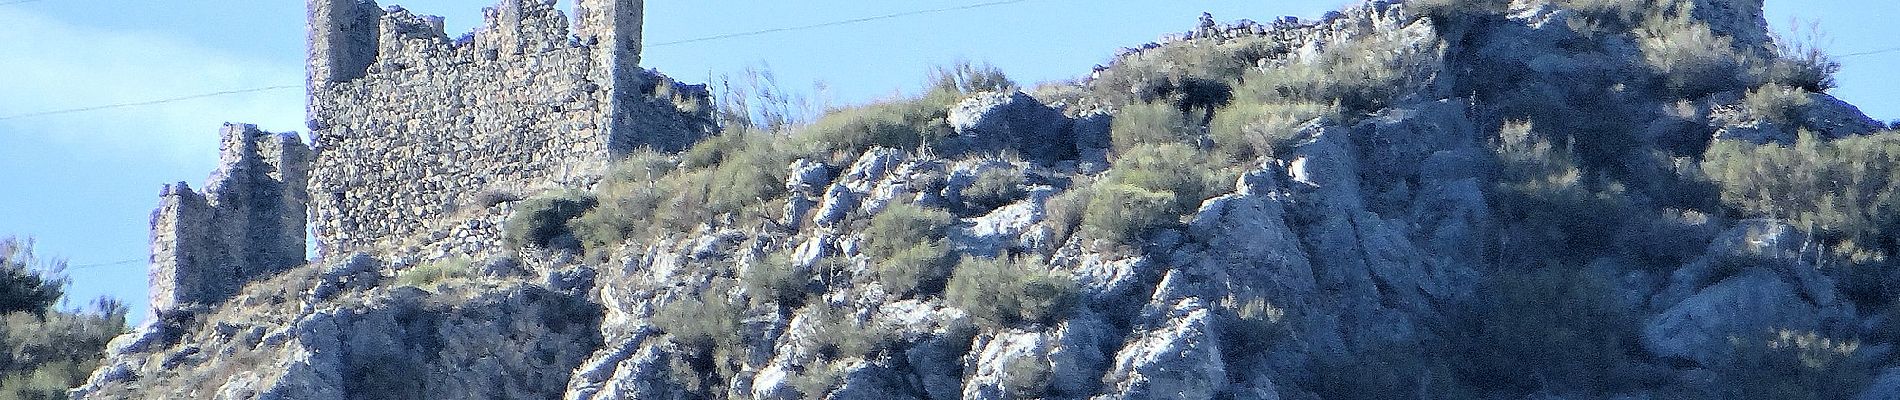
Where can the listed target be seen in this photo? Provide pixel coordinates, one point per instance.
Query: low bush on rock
(1121, 213)
(1150, 186)
(906, 246)
(1005, 292)
(708, 334)
(1147, 124)
(994, 188)
(1248, 130)
(436, 273)
(542, 221)
(775, 279)
(648, 195)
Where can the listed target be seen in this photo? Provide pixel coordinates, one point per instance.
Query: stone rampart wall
(431, 124)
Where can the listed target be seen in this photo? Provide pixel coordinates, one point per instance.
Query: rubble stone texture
(409, 123)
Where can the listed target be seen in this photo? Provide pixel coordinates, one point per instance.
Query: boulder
(1751, 304)
(995, 121)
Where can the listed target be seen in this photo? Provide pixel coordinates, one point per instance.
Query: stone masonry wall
(249, 222)
(418, 126)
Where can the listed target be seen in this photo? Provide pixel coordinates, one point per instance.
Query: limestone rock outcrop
(1511, 209)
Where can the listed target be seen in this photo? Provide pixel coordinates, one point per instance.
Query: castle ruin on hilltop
(409, 123)
(409, 126)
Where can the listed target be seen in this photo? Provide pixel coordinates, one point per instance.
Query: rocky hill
(1631, 199)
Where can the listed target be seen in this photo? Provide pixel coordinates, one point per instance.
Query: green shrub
(1846, 187)
(1777, 103)
(1549, 329)
(707, 330)
(1028, 377)
(1064, 212)
(1171, 168)
(1157, 75)
(436, 273)
(1691, 59)
(648, 195)
(967, 78)
(1248, 130)
(1842, 191)
(48, 355)
(1800, 63)
(838, 337)
(840, 334)
(905, 124)
(994, 188)
(1619, 12)
(712, 321)
(1121, 213)
(1256, 325)
(1444, 10)
(1006, 292)
(1354, 77)
(21, 288)
(46, 350)
(1147, 124)
(541, 220)
(775, 279)
(1795, 366)
(1544, 198)
(907, 249)
(1149, 186)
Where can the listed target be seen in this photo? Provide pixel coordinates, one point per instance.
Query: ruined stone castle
(409, 128)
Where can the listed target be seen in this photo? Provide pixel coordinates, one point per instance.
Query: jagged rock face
(1823, 115)
(343, 332)
(1373, 240)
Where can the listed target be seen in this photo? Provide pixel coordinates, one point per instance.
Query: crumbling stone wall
(249, 222)
(411, 126)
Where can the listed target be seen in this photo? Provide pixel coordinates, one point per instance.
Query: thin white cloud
(47, 64)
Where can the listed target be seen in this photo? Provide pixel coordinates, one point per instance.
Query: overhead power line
(662, 44)
(836, 23)
(147, 103)
(107, 264)
(1869, 53)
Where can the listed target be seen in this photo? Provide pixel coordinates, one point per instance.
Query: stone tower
(408, 123)
(614, 25)
(248, 224)
(342, 39)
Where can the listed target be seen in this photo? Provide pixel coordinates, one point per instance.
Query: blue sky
(84, 184)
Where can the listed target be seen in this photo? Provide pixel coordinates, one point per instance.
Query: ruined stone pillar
(614, 26)
(248, 223)
(342, 39)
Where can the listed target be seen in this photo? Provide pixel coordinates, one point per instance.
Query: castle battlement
(409, 123)
(248, 223)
